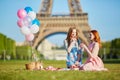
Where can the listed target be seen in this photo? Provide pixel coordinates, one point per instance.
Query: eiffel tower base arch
(51, 24)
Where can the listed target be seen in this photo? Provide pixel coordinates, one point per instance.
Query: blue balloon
(28, 9)
(36, 21)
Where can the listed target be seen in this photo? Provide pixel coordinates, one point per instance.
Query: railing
(61, 15)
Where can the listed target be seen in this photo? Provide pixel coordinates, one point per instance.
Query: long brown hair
(97, 37)
(69, 34)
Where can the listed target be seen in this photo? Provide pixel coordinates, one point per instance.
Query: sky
(103, 15)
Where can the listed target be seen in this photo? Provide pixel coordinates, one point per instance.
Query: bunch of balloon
(28, 23)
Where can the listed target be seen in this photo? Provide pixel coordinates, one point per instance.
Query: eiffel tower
(51, 24)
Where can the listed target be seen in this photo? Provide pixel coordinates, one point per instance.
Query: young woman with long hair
(93, 63)
(71, 45)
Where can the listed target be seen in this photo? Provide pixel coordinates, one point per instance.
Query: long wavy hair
(69, 34)
(97, 37)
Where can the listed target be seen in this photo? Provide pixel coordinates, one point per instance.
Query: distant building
(45, 48)
(19, 43)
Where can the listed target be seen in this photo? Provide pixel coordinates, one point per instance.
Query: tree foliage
(115, 48)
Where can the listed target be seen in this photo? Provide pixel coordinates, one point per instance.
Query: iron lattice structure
(51, 24)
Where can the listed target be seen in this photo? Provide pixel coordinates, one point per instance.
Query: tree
(105, 50)
(115, 48)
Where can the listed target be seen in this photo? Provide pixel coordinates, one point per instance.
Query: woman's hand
(73, 66)
(73, 39)
(82, 45)
(77, 63)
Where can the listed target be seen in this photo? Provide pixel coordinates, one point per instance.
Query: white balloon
(32, 14)
(25, 30)
(27, 21)
(34, 28)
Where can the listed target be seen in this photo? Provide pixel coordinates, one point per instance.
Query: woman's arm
(68, 48)
(94, 51)
(66, 45)
(87, 50)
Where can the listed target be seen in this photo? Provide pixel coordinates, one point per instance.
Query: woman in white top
(71, 45)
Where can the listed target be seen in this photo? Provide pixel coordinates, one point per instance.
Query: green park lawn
(15, 70)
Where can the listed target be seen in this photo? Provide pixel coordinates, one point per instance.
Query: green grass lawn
(15, 70)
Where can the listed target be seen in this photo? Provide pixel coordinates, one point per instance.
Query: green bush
(7, 47)
(2, 45)
(11, 48)
(23, 52)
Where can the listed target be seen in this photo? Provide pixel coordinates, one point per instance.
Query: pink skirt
(93, 64)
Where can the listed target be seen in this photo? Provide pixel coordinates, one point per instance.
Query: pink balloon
(29, 37)
(20, 23)
(21, 13)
